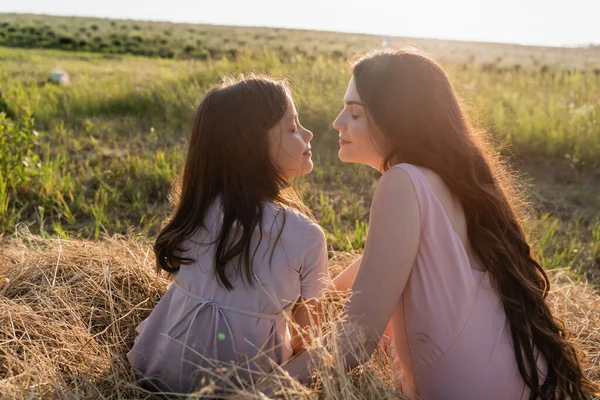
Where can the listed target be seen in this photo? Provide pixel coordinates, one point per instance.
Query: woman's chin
(343, 156)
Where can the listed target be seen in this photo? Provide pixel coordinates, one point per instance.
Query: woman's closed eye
(353, 113)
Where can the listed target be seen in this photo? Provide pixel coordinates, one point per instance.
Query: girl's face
(357, 138)
(289, 144)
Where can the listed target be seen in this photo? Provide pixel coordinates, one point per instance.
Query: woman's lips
(343, 142)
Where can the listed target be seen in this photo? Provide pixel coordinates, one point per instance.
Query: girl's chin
(308, 167)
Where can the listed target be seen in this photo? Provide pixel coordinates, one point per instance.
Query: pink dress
(199, 325)
(451, 338)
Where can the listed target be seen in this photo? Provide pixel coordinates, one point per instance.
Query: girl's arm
(314, 279)
(389, 255)
(304, 315)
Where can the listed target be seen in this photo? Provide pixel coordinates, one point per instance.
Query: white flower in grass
(59, 76)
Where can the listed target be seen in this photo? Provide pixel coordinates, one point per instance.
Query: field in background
(110, 143)
(196, 41)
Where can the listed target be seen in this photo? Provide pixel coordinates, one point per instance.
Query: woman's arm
(345, 279)
(389, 255)
(344, 282)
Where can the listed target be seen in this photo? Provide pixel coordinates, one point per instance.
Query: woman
(446, 261)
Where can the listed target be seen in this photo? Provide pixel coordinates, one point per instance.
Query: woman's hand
(267, 387)
(346, 278)
(277, 385)
(390, 253)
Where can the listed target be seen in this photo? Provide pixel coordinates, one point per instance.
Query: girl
(240, 245)
(446, 261)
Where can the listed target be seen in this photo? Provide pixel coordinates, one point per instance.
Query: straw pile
(68, 313)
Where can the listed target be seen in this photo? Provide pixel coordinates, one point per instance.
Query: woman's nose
(337, 124)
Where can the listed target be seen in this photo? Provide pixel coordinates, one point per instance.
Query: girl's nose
(308, 135)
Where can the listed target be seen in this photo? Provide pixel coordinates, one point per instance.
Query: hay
(68, 313)
(578, 305)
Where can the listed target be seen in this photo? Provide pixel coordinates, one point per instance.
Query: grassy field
(109, 144)
(97, 157)
(185, 41)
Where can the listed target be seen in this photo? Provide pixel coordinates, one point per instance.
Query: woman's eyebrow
(353, 102)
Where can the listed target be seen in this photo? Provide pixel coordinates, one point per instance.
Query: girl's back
(199, 319)
(240, 263)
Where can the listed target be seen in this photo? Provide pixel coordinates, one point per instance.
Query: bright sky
(536, 22)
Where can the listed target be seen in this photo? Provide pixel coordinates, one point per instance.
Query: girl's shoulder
(294, 224)
(294, 219)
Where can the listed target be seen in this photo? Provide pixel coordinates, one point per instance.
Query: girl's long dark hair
(228, 161)
(410, 99)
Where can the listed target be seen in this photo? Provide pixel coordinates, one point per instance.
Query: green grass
(169, 40)
(111, 142)
(211, 42)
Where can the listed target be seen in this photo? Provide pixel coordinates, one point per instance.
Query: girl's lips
(307, 153)
(342, 142)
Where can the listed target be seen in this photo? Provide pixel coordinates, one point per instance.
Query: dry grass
(69, 311)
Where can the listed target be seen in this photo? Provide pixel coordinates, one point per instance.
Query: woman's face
(289, 144)
(357, 137)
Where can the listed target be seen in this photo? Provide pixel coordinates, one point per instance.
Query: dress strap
(431, 210)
(185, 323)
(224, 307)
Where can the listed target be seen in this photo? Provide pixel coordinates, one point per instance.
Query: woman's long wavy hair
(228, 161)
(411, 100)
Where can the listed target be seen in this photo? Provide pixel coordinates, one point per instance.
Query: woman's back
(463, 348)
(454, 213)
(198, 319)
